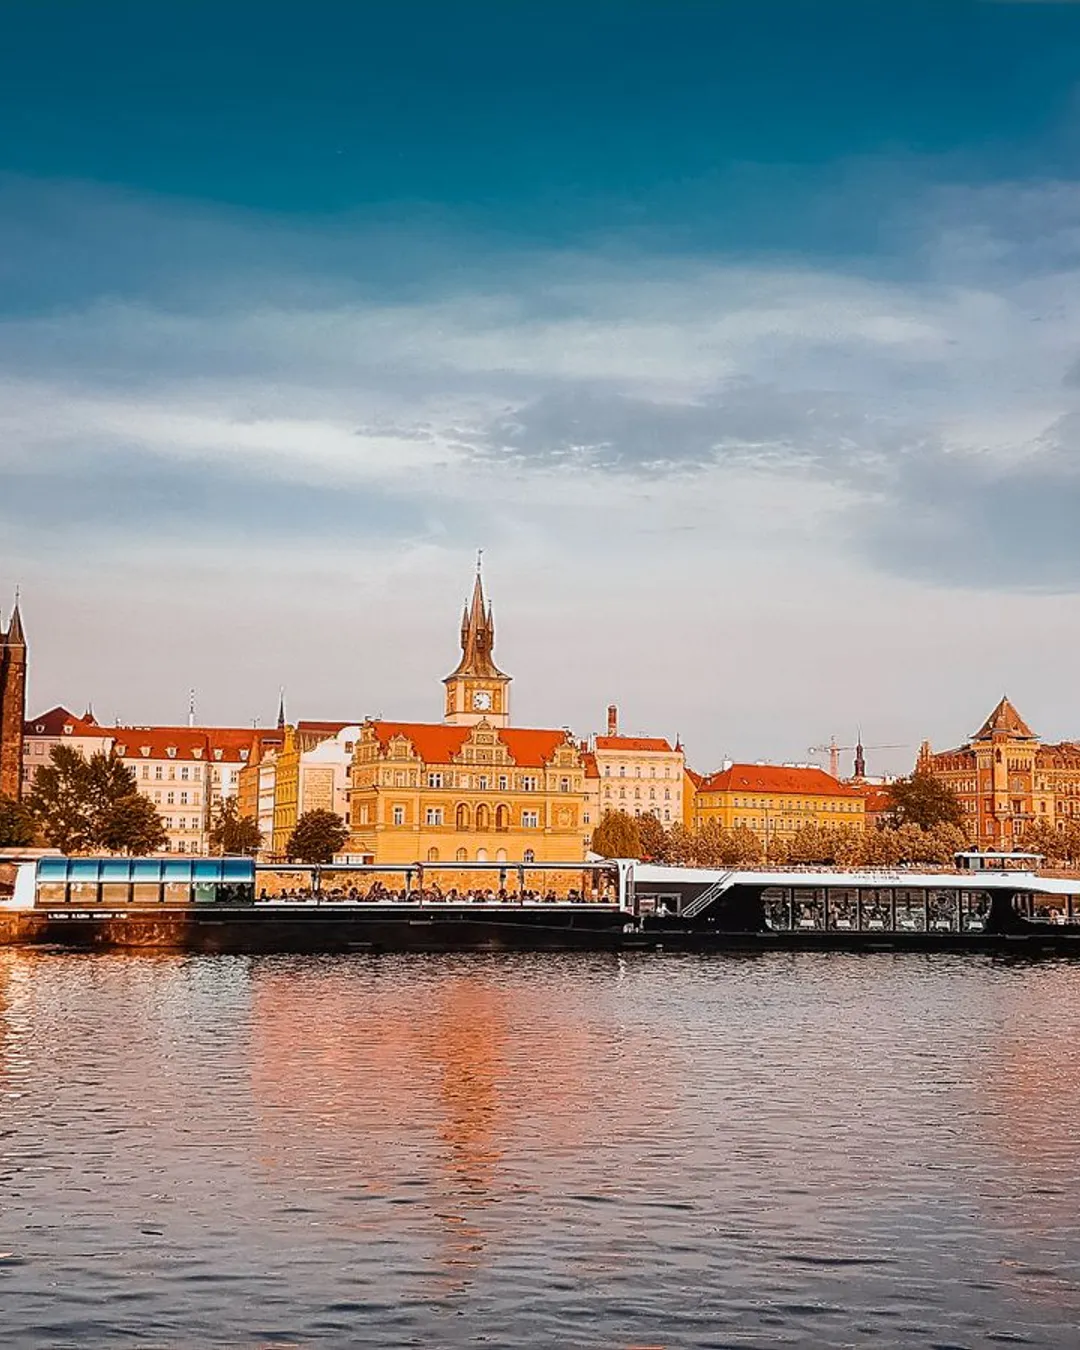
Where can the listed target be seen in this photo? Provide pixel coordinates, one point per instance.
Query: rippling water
(570, 1151)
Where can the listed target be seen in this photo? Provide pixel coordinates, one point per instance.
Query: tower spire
(477, 689)
(281, 710)
(860, 756)
(15, 635)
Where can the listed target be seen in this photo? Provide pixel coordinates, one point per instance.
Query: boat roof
(655, 874)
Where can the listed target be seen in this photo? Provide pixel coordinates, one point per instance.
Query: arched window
(481, 855)
(483, 817)
(529, 855)
(461, 818)
(500, 855)
(502, 817)
(433, 855)
(463, 855)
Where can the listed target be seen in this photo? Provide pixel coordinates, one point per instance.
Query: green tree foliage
(130, 824)
(17, 827)
(317, 837)
(923, 800)
(617, 836)
(83, 804)
(232, 833)
(59, 800)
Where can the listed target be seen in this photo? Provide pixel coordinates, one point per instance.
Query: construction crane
(833, 751)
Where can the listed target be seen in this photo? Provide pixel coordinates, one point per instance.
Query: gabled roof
(438, 743)
(1004, 720)
(778, 779)
(589, 760)
(54, 722)
(627, 743)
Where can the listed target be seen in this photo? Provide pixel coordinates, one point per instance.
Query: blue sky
(761, 321)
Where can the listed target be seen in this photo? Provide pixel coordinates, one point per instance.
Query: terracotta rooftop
(1004, 719)
(656, 743)
(776, 778)
(589, 760)
(437, 743)
(56, 721)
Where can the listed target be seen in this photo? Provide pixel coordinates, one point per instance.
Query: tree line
(93, 805)
(924, 824)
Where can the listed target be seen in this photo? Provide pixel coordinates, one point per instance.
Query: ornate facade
(12, 705)
(472, 788)
(1006, 779)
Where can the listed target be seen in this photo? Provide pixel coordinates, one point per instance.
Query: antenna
(191, 708)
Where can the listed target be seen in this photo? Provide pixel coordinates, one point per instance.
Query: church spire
(477, 690)
(281, 710)
(15, 635)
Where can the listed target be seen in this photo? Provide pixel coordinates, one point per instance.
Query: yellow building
(473, 788)
(310, 774)
(775, 800)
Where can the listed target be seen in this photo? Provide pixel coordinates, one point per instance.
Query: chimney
(612, 720)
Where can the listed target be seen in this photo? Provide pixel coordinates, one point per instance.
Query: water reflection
(410, 1077)
(538, 1151)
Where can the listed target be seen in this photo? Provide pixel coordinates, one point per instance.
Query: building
(472, 788)
(59, 727)
(641, 775)
(1006, 779)
(184, 771)
(774, 800)
(12, 705)
(311, 772)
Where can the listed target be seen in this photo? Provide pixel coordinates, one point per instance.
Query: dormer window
(197, 752)
(217, 754)
(244, 755)
(171, 751)
(144, 750)
(39, 728)
(121, 750)
(68, 729)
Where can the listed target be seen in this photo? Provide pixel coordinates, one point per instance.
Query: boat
(986, 901)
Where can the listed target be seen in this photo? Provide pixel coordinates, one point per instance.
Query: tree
(93, 803)
(130, 824)
(923, 800)
(680, 845)
(317, 837)
(617, 836)
(59, 800)
(743, 848)
(652, 839)
(1042, 838)
(17, 828)
(230, 832)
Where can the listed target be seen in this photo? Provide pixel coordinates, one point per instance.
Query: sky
(744, 339)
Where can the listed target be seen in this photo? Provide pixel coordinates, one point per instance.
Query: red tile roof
(591, 769)
(776, 778)
(437, 743)
(54, 722)
(331, 728)
(237, 745)
(633, 743)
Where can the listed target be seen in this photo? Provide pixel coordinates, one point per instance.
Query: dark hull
(437, 929)
(324, 928)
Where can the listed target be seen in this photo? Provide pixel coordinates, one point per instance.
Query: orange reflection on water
(460, 1087)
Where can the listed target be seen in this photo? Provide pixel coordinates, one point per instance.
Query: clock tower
(477, 691)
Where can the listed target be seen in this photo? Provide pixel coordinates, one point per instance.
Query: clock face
(481, 700)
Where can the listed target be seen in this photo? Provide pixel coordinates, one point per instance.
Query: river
(581, 1151)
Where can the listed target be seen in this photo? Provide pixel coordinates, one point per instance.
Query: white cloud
(810, 479)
